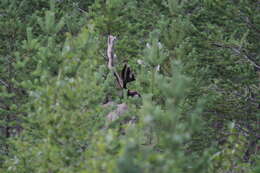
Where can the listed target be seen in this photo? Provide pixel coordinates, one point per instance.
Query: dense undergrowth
(197, 68)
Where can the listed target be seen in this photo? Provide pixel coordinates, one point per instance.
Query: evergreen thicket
(196, 66)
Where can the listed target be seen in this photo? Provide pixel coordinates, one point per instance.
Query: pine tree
(196, 67)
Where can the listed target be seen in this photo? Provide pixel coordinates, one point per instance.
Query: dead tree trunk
(122, 79)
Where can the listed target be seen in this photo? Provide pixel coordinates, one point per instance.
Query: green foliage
(198, 75)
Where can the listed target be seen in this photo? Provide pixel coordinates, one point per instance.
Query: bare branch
(110, 51)
(82, 10)
(111, 59)
(238, 52)
(250, 24)
(4, 83)
(248, 58)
